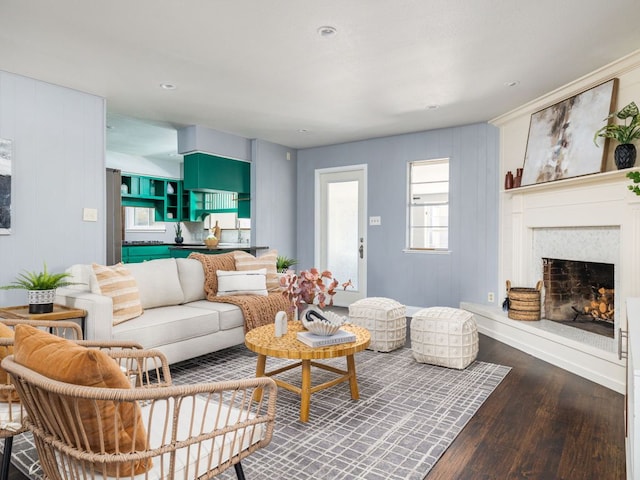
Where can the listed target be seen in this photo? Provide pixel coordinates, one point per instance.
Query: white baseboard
(586, 361)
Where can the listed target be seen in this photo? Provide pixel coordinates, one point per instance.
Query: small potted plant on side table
(41, 288)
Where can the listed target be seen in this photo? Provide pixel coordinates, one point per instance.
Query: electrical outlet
(491, 297)
(375, 221)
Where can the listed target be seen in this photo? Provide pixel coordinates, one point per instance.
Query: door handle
(361, 250)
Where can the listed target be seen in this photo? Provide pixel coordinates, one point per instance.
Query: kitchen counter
(184, 249)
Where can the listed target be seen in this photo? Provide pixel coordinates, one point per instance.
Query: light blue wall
(58, 169)
(418, 279)
(273, 205)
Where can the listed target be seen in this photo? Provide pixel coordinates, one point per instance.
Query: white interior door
(340, 241)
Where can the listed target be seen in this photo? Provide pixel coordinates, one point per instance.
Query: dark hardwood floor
(541, 423)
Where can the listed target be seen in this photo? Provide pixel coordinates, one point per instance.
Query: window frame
(410, 204)
(130, 226)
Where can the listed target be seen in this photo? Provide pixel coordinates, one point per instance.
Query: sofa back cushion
(245, 261)
(249, 282)
(158, 282)
(117, 282)
(82, 276)
(191, 275)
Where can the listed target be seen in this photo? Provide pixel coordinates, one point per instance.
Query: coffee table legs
(353, 381)
(305, 390)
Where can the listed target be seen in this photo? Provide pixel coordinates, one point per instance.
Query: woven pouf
(384, 318)
(444, 336)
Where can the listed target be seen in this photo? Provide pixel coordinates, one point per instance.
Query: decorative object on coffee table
(444, 336)
(625, 134)
(384, 318)
(41, 288)
(523, 303)
(309, 286)
(321, 323)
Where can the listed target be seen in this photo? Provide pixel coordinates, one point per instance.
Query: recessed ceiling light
(303, 130)
(512, 83)
(167, 86)
(433, 107)
(327, 31)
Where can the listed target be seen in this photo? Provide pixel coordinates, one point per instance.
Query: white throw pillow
(248, 282)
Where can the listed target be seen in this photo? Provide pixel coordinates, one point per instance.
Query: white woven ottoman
(444, 336)
(384, 318)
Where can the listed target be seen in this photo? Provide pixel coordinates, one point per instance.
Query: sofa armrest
(99, 321)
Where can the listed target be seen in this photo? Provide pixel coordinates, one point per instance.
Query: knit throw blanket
(257, 310)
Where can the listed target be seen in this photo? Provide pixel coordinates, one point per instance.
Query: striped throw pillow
(246, 261)
(249, 282)
(118, 283)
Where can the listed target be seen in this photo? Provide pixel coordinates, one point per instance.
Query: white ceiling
(259, 68)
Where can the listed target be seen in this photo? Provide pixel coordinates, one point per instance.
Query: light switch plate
(375, 221)
(90, 214)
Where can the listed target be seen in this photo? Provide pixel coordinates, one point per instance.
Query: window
(142, 219)
(429, 205)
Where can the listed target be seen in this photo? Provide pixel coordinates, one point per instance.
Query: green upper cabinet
(161, 194)
(208, 172)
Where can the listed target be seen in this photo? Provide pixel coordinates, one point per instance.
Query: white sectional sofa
(177, 319)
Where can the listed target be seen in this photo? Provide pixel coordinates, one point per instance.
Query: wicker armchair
(192, 432)
(11, 410)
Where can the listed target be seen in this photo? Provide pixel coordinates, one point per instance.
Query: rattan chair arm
(59, 326)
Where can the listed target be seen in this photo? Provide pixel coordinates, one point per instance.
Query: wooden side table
(60, 312)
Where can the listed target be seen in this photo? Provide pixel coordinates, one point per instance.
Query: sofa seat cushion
(230, 315)
(158, 282)
(165, 325)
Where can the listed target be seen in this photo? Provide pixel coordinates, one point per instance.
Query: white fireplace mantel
(582, 203)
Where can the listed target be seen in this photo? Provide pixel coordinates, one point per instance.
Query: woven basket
(524, 303)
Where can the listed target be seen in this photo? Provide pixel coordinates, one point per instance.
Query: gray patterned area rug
(407, 416)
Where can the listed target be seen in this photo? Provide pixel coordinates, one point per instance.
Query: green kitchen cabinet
(141, 253)
(212, 173)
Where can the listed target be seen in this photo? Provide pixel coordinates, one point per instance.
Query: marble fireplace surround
(590, 218)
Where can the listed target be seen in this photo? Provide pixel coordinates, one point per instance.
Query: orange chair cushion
(65, 361)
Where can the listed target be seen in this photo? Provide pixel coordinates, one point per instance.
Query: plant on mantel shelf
(309, 286)
(625, 134)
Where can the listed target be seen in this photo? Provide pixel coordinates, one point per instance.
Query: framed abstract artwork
(5, 186)
(560, 143)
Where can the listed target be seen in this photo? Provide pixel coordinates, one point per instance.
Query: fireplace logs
(601, 307)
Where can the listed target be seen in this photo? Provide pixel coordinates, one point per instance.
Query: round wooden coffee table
(262, 340)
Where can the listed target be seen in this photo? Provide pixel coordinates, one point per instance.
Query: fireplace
(580, 294)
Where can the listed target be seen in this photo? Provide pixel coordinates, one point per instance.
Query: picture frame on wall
(560, 143)
(5, 186)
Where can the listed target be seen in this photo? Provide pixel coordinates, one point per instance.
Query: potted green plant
(283, 263)
(41, 288)
(178, 229)
(624, 134)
